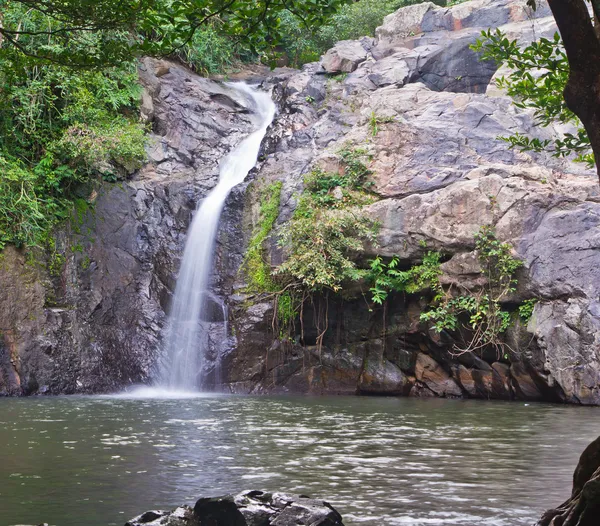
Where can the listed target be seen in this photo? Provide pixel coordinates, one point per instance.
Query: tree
(582, 45)
(538, 76)
(91, 33)
(558, 78)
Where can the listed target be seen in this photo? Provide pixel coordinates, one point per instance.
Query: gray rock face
(249, 508)
(439, 172)
(94, 324)
(344, 57)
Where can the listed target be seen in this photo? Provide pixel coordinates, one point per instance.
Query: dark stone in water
(219, 510)
(249, 508)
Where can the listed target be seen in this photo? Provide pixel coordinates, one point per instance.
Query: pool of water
(98, 461)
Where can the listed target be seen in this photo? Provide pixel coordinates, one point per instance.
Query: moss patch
(258, 270)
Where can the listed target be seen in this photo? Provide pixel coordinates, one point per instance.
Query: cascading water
(185, 343)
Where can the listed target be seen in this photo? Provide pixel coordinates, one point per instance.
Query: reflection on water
(382, 461)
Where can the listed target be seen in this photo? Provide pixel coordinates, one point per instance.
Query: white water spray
(185, 342)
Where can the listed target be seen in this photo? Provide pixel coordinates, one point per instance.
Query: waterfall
(185, 343)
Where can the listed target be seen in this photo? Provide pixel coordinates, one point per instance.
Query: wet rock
(475, 382)
(524, 385)
(500, 386)
(182, 516)
(249, 508)
(383, 378)
(429, 372)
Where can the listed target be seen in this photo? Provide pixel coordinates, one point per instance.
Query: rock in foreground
(583, 508)
(249, 508)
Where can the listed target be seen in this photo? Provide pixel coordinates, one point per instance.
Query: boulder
(403, 23)
(477, 383)
(249, 508)
(383, 378)
(431, 373)
(182, 516)
(500, 386)
(523, 384)
(344, 57)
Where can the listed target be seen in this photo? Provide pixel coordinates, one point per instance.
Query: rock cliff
(440, 172)
(90, 319)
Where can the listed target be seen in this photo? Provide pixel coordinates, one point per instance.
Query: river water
(98, 461)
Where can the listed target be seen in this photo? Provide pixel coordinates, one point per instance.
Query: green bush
(480, 312)
(486, 317)
(61, 131)
(321, 246)
(329, 227)
(211, 52)
(387, 277)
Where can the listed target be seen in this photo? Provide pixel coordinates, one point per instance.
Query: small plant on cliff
(257, 268)
(526, 309)
(387, 277)
(328, 227)
(486, 319)
(376, 120)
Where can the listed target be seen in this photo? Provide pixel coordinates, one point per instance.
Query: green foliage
(56, 258)
(86, 263)
(387, 277)
(320, 247)
(497, 262)
(480, 312)
(526, 309)
(210, 51)
(487, 320)
(92, 33)
(286, 308)
(60, 132)
(327, 230)
(107, 148)
(375, 121)
(257, 269)
(24, 218)
(352, 183)
(539, 75)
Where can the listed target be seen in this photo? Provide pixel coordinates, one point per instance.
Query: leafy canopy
(61, 131)
(88, 33)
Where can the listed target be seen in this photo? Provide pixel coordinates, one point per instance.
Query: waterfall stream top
(188, 336)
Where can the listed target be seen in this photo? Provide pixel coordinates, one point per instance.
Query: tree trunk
(583, 508)
(582, 93)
